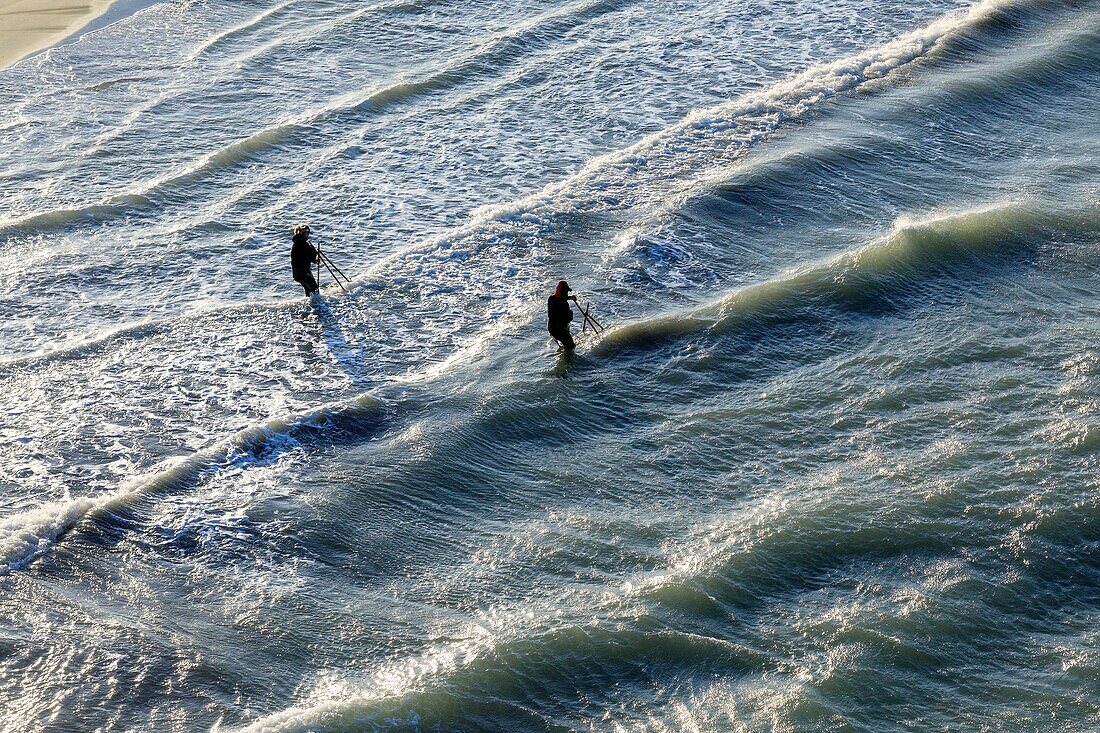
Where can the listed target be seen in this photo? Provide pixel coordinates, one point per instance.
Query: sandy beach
(27, 26)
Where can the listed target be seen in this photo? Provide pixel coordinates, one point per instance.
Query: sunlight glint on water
(832, 465)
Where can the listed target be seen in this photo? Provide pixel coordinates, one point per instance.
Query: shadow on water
(343, 421)
(351, 357)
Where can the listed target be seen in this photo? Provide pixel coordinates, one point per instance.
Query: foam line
(27, 536)
(499, 48)
(658, 158)
(229, 34)
(449, 675)
(24, 537)
(912, 245)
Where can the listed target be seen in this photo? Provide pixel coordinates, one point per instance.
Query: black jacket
(558, 313)
(302, 254)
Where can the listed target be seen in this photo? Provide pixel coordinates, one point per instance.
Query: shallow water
(832, 466)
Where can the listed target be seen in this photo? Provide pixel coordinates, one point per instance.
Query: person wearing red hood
(559, 315)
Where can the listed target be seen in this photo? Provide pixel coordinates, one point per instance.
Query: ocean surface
(832, 465)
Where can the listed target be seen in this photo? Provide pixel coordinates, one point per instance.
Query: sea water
(831, 466)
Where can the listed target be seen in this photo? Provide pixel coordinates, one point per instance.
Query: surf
(914, 246)
(26, 536)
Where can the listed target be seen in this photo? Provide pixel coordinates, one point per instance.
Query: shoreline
(29, 27)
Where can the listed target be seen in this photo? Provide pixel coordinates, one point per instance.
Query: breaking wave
(731, 127)
(681, 158)
(913, 247)
(466, 675)
(26, 536)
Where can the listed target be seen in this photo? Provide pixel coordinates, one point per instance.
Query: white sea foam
(914, 242)
(771, 511)
(492, 51)
(749, 118)
(27, 535)
(653, 165)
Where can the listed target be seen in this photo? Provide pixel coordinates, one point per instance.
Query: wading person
(558, 315)
(303, 255)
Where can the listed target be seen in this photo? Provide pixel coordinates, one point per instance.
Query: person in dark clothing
(559, 315)
(303, 255)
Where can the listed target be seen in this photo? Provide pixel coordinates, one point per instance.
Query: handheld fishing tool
(336, 272)
(589, 319)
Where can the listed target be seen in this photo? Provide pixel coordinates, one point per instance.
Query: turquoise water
(832, 466)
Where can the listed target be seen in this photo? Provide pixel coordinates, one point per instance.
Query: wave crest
(26, 536)
(915, 246)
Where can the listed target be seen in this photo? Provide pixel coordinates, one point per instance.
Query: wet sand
(27, 26)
